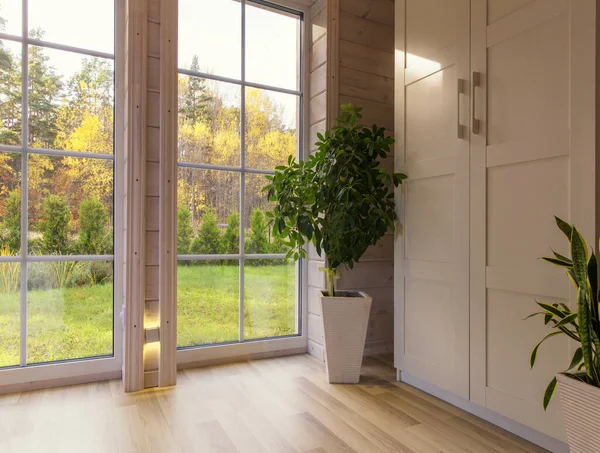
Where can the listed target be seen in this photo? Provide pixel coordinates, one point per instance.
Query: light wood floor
(275, 405)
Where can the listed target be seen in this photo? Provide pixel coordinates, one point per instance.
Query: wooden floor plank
(276, 405)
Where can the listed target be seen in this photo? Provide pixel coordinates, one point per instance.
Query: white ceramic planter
(581, 409)
(345, 321)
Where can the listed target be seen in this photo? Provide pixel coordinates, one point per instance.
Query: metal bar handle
(459, 91)
(475, 121)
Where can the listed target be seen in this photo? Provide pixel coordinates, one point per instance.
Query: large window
(56, 180)
(240, 115)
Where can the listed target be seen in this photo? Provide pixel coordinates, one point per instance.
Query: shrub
(54, 225)
(9, 274)
(93, 238)
(257, 240)
(209, 237)
(184, 231)
(39, 276)
(230, 242)
(63, 273)
(92, 273)
(12, 222)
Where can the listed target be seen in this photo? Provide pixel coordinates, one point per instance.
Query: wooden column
(151, 250)
(135, 209)
(167, 370)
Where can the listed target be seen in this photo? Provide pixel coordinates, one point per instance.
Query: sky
(210, 29)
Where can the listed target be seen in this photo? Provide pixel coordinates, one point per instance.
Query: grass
(77, 322)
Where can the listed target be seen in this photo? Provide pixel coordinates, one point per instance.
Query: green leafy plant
(582, 325)
(339, 199)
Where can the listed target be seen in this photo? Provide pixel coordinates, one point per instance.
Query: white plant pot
(581, 410)
(345, 321)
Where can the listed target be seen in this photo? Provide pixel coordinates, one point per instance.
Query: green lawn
(77, 322)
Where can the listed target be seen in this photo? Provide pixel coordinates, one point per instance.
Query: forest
(70, 202)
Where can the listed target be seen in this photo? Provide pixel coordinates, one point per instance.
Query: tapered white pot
(345, 321)
(581, 410)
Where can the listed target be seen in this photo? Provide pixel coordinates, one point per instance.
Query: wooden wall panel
(352, 61)
(366, 78)
(152, 300)
(319, 82)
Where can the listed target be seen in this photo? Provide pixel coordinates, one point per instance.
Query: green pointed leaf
(567, 320)
(557, 261)
(564, 227)
(549, 393)
(577, 358)
(580, 258)
(561, 257)
(534, 314)
(552, 309)
(534, 351)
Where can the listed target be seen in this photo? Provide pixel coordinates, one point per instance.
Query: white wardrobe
(496, 129)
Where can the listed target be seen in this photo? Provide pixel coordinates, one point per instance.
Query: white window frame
(211, 353)
(26, 377)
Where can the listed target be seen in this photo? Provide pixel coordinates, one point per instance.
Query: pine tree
(194, 102)
(44, 93)
(209, 237)
(10, 94)
(54, 225)
(257, 240)
(12, 222)
(93, 239)
(230, 242)
(184, 231)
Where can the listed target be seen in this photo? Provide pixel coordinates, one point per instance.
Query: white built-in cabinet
(495, 127)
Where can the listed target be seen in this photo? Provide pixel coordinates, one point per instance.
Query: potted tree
(579, 385)
(341, 201)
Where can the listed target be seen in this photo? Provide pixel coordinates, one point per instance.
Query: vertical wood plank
(167, 370)
(136, 191)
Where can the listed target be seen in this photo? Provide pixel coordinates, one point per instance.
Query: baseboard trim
(533, 436)
(59, 382)
(240, 358)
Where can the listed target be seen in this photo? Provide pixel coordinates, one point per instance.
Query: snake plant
(582, 325)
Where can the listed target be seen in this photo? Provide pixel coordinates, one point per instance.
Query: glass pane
(209, 122)
(208, 301)
(210, 36)
(10, 204)
(84, 24)
(10, 93)
(9, 314)
(258, 237)
(11, 12)
(71, 100)
(69, 310)
(208, 220)
(271, 125)
(272, 47)
(269, 299)
(70, 204)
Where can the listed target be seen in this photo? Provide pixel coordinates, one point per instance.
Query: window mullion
(243, 172)
(24, 183)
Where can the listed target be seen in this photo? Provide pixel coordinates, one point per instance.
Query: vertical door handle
(459, 91)
(476, 83)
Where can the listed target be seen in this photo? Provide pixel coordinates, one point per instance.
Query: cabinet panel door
(532, 159)
(432, 251)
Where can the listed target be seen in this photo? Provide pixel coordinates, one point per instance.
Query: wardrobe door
(432, 253)
(532, 157)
